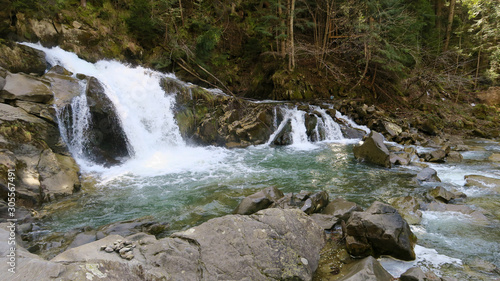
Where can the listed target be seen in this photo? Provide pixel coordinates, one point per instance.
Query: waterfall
(144, 110)
(295, 128)
(326, 124)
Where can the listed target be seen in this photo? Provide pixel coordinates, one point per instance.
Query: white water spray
(146, 114)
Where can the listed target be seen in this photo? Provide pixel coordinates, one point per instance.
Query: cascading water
(145, 112)
(294, 120)
(185, 186)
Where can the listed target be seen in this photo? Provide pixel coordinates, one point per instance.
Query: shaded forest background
(376, 51)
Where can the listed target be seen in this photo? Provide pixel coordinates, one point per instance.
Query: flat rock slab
(24, 87)
(483, 182)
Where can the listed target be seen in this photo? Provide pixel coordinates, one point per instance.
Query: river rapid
(186, 185)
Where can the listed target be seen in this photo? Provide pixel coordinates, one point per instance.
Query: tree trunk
(182, 12)
(282, 44)
(291, 51)
(450, 23)
(83, 3)
(439, 14)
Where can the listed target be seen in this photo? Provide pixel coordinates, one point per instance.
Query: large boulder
(58, 175)
(409, 208)
(341, 208)
(380, 230)
(367, 269)
(272, 244)
(19, 58)
(33, 147)
(23, 87)
(483, 182)
(107, 143)
(211, 118)
(268, 245)
(259, 201)
(373, 150)
(63, 85)
(427, 175)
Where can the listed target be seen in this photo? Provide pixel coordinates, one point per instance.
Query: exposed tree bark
(291, 51)
(451, 14)
(282, 43)
(83, 3)
(439, 14)
(182, 12)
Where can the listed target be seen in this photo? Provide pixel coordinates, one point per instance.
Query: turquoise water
(186, 199)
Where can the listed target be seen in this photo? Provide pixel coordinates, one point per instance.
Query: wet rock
(367, 269)
(107, 141)
(413, 274)
(454, 157)
(23, 87)
(373, 150)
(409, 208)
(352, 133)
(477, 215)
(380, 230)
(341, 209)
(267, 245)
(427, 175)
(259, 201)
(437, 156)
(58, 174)
(63, 85)
(396, 159)
(19, 58)
(483, 182)
(390, 129)
(130, 227)
(315, 203)
(495, 157)
(44, 111)
(284, 137)
(34, 148)
(442, 194)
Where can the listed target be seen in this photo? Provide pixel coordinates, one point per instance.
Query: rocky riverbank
(268, 239)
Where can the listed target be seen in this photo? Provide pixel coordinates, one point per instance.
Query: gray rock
(367, 269)
(19, 58)
(43, 111)
(391, 129)
(454, 157)
(413, 274)
(315, 203)
(268, 245)
(63, 85)
(28, 266)
(373, 150)
(341, 208)
(464, 209)
(409, 208)
(442, 194)
(325, 221)
(427, 175)
(397, 159)
(483, 182)
(59, 175)
(82, 239)
(23, 87)
(258, 201)
(380, 230)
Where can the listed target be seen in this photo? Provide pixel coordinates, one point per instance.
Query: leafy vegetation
(379, 50)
